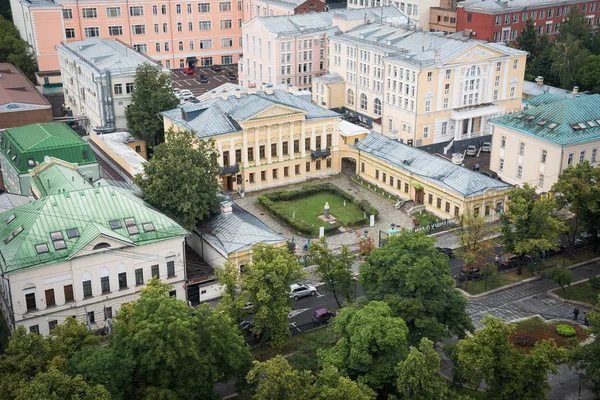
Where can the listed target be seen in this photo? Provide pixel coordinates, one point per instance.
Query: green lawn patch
(425, 218)
(496, 281)
(566, 259)
(308, 204)
(533, 330)
(583, 292)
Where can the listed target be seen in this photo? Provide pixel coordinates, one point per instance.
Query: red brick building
(502, 21)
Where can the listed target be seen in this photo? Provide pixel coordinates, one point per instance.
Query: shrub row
(268, 200)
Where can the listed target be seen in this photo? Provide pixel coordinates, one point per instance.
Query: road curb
(476, 296)
(574, 302)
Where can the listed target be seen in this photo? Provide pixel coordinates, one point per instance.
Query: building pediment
(97, 239)
(276, 111)
(476, 54)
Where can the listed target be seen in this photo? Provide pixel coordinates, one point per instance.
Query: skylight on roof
(148, 227)
(582, 125)
(133, 230)
(592, 124)
(59, 244)
(542, 122)
(552, 125)
(42, 248)
(56, 235)
(11, 218)
(520, 116)
(597, 121)
(72, 233)
(30, 162)
(129, 221)
(575, 127)
(115, 224)
(529, 119)
(12, 235)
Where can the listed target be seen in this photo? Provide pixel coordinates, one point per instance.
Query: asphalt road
(191, 83)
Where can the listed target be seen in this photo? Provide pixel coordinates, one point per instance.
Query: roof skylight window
(11, 218)
(529, 119)
(133, 230)
(59, 244)
(520, 116)
(42, 248)
(552, 125)
(56, 235)
(592, 124)
(72, 233)
(148, 227)
(115, 224)
(129, 221)
(12, 235)
(582, 125)
(30, 162)
(542, 122)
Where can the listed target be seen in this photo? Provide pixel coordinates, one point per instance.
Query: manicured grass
(583, 292)
(425, 218)
(499, 280)
(292, 345)
(310, 207)
(540, 330)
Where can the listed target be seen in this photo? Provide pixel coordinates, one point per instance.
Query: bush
(525, 341)
(595, 282)
(566, 330)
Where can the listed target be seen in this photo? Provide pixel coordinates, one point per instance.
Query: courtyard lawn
(425, 218)
(535, 330)
(310, 207)
(498, 280)
(583, 292)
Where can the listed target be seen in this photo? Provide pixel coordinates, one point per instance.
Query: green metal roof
(56, 178)
(543, 99)
(564, 122)
(89, 211)
(39, 140)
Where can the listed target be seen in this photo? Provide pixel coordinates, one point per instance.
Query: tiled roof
(494, 6)
(427, 166)
(238, 230)
(413, 46)
(218, 116)
(16, 91)
(565, 122)
(39, 140)
(89, 211)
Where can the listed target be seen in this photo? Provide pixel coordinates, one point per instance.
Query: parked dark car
(203, 79)
(215, 68)
(543, 254)
(446, 250)
(246, 326)
(512, 260)
(231, 76)
(583, 239)
(322, 316)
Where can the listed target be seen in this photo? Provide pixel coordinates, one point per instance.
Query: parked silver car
(486, 147)
(471, 150)
(298, 290)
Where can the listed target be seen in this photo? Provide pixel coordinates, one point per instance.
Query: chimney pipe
(575, 89)
(238, 93)
(540, 80)
(269, 89)
(252, 88)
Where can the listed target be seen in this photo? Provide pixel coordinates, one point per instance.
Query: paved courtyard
(387, 213)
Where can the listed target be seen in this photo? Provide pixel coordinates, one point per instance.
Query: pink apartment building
(292, 49)
(174, 33)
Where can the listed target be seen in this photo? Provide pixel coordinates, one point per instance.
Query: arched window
(350, 97)
(101, 245)
(472, 85)
(363, 101)
(377, 106)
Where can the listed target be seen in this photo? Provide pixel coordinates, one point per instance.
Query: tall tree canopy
(181, 178)
(56, 385)
(418, 375)
(15, 50)
(587, 358)
(413, 278)
(528, 39)
(152, 94)
(333, 269)
(371, 343)
(568, 56)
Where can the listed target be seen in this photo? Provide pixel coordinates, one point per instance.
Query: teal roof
(34, 142)
(564, 122)
(89, 211)
(543, 99)
(56, 178)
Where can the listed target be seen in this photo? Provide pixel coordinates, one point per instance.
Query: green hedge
(268, 200)
(566, 330)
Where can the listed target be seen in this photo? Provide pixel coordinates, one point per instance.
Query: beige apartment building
(424, 88)
(416, 10)
(264, 138)
(535, 145)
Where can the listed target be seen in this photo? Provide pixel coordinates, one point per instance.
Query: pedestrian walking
(585, 320)
(575, 314)
(497, 260)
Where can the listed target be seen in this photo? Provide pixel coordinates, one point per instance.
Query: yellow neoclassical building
(265, 138)
(423, 88)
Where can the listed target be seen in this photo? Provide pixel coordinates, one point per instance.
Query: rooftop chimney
(575, 89)
(540, 80)
(226, 207)
(269, 89)
(252, 88)
(224, 95)
(183, 115)
(238, 93)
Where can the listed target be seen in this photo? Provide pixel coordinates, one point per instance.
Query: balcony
(229, 170)
(314, 154)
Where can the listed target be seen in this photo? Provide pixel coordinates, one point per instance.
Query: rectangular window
(105, 284)
(113, 12)
(521, 148)
(91, 32)
(154, 271)
(376, 174)
(297, 169)
(142, 48)
(286, 171)
(308, 166)
(263, 176)
(226, 24)
(91, 317)
(205, 25)
(139, 276)
(570, 158)
(501, 165)
(178, 8)
(582, 156)
(307, 144)
(544, 155)
(594, 154)
(297, 146)
(515, 64)
(67, 13)
(251, 177)
(430, 198)
(318, 165)
(123, 280)
(115, 30)
(206, 44)
(203, 7)
(226, 42)
(69, 33)
(138, 29)
(318, 142)
(30, 301)
(136, 11)
(261, 151)
(129, 88)
(170, 269)
(34, 329)
(89, 13)
(50, 300)
(285, 148)
(224, 6)
(274, 173)
(68, 289)
(520, 171)
(52, 324)
(165, 27)
(541, 181)
(438, 202)
(429, 76)
(383, 176)
(163, 9)
(87, 289)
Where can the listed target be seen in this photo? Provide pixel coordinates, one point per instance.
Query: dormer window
(11, 218)
(72, 233)
(102, 245)
(148, 227)
(115, 224)
(41, 248)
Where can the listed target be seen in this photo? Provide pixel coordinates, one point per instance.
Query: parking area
(483, 159)
(192, 82)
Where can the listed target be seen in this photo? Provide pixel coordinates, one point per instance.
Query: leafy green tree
(276, 379)
(333, 386)
(177, 353)
(56, 385)
(578, 188)
(414, 280)
(181, 178)
(371, 343)
(508, 373)
(587, 358)
(15, 50)
(233, 300)
(267, 285)
(588, 75)
(528, 39)
(541, 65)
(153, 94)
(568, 57)
(576, 26)
(70, 337)
(5, 11)
(562, 276)
(530, 223)
(98, 364)
(333, 269)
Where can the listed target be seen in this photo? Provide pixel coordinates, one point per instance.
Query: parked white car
(298, 290)
(471, 150)
(486, 147)
(185, 94)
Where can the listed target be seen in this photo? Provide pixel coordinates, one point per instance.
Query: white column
(313, 141)
(470, 129)
(291, 143)
(256, 148)
(324, 138)
(245, 148)
(457, 126)
(280, 144)
(268, 147)
(302, 140)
